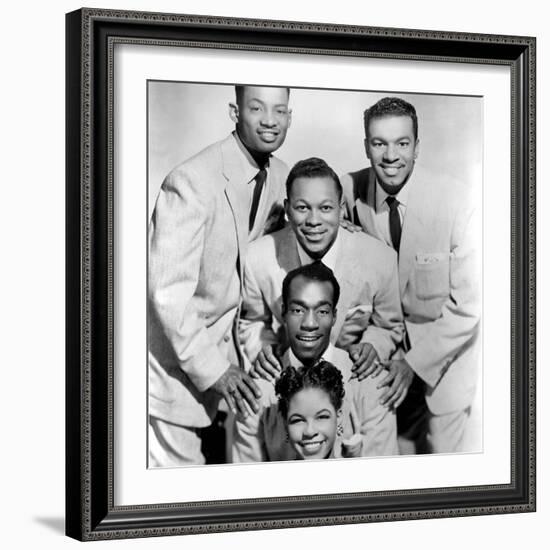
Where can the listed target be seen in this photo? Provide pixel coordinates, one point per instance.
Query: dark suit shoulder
(355, 184)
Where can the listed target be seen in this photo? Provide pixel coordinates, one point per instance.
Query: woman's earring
(340, 430)
(286, 437)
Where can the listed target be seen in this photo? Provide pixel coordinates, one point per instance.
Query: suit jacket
(198, 238)
(262, 436)
(439, 280)
(368, 310)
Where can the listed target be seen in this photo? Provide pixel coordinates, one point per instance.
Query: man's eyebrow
(285, 105)
(299, 302)
(372, 138)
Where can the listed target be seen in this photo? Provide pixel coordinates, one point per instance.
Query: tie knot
(393, 203)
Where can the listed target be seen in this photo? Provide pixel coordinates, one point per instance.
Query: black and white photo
(247, 184)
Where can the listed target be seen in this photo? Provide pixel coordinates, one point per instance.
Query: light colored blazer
(262, 436)
(369, 309)
(198, 238)
(439, 280)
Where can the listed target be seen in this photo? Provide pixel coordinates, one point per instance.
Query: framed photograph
(220, 169)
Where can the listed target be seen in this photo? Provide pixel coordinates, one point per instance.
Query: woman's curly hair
(323, 375)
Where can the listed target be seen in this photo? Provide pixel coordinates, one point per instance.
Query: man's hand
(397, 382)
(348, 226)
(267, 365)
(239, 391)
(365, 361)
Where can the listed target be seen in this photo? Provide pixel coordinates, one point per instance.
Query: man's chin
(315, 250)
(306, 355)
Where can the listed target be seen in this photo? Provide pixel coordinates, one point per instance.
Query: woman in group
(310, 402)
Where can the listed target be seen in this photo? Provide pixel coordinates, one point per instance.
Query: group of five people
(248, 262)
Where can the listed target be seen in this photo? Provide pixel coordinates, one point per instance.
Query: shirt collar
(402, 196)
(291, 360)
(253, 158)
(329, 259)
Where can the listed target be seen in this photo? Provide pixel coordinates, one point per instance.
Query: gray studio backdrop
(186, 117)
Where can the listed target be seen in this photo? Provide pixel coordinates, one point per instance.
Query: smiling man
(431, 222)
(209, 208)
(310, 295)
(370, 323)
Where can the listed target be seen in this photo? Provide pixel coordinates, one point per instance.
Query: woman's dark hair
(323, 375)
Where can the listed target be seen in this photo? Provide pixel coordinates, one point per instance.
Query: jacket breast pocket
(432, 275)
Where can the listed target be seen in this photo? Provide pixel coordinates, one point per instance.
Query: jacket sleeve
(255, 326)
(435, 344)
(385, 329)
(248, 443)
(176, 244)
(378, 425)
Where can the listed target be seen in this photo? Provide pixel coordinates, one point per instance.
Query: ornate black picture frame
(90, 509)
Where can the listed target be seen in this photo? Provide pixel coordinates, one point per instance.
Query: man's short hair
(390, 106)
(239, 91)
(315, 271)
(312, 168)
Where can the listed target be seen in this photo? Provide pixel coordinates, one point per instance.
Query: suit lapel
(287, 254)
(412, 226)
(366, 192)
(345, 274)
(237, 175)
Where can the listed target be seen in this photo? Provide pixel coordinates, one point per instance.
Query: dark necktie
(395, 222)
(258, 186)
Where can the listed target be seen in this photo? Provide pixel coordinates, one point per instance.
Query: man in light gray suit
(431, 222)
(208, 210)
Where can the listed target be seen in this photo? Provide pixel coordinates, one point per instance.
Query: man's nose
(268, 118)
(313, 217)
(309, 321)
(390, 154)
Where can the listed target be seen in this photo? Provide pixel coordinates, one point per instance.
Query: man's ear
(335, 314)
(416, 149)
(286, 206)
(289, 118)
(234, 112)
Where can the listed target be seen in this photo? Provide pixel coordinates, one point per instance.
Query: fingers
(228, 396)
(241, 406)
(364, 357)
(397, 398)
(369, 365)
(253, 386)
(346, 224)
(249, 394)
(267, 366)
(388, 379)
(378, 367)
(401, 399)
(396, 393)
